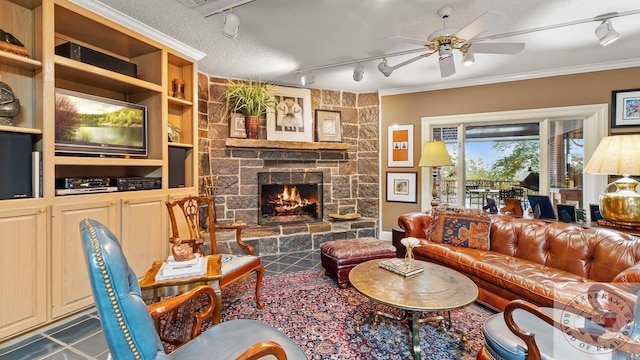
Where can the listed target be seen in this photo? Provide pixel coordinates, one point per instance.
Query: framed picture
(512, 206)
(400, 140)
(594, 213)
(625, 108)
(566, 213)
(542, 207)
(402, 187)
(290, 118)
(328, 125)
(236, 126)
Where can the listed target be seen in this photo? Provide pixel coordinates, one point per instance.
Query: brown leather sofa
(534, 260)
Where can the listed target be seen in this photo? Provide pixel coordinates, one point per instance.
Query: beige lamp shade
(616, 155)
(435, 154)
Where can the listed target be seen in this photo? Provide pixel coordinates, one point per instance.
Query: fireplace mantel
(285, 145)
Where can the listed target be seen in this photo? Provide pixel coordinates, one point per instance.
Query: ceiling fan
(447, 39)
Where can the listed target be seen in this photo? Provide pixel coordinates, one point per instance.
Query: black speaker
(177, 158)
(15, 165)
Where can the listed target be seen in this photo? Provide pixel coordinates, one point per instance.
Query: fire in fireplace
(289, 201)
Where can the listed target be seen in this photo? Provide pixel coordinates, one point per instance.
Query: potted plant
(251, 99)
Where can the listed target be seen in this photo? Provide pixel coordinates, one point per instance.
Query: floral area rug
(322, 318)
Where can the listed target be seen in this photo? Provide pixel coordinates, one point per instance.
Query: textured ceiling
(278, 37)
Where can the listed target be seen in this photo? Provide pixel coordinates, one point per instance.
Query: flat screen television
(88, 124)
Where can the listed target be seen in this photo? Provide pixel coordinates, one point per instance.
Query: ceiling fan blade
(480, 25)
(447, 67)
(408, 40)
(496, 48)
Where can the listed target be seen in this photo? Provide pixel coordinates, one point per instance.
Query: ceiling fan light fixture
(445, 52)
(231, 25)
(307, 79)
(606, 33)
(384, 68)
(358, 72)
(468, 59)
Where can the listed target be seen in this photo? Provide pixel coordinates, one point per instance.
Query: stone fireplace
(348, 179)
(287, 197)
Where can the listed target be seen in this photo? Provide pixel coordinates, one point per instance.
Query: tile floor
(81, 337)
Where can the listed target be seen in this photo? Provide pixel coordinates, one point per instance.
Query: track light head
(384, 68)
(358, 72)
(606, 33)
(468, 59)
(307, 79)
(231, 25)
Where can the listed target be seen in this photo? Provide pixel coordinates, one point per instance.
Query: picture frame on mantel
(290, 119)
(236, 126)
(625, 108)
(400, 152)
(328, 125)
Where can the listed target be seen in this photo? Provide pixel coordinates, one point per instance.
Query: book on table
(172, 269)
(399, 266)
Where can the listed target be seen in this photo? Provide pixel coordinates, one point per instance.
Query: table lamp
(435, 154)
(618, 155)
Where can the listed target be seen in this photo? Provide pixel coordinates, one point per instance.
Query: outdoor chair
(601, 325)
(190, 215)
(128, 324)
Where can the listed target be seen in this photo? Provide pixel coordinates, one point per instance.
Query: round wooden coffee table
(437, 289)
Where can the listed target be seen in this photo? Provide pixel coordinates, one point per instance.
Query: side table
(153, 290)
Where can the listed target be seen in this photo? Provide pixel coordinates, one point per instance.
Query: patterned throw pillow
(460, 227)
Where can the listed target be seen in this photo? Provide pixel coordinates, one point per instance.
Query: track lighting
(384, 68)
(606, 33)
(358, 72)
(231, 25)
(468, 59)
(307, 79)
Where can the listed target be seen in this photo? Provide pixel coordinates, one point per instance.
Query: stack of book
(611, 224)
(172, 269)
(399, 266)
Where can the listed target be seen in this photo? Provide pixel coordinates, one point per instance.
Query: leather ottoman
(338, 257)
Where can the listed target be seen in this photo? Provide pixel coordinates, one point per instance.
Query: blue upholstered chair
(588, 330)
(128, 325)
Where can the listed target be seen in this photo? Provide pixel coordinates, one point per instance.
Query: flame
(291, 197)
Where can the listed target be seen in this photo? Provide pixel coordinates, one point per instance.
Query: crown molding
(133, 24)
(515, 77)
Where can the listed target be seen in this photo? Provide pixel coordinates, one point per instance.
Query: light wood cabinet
(45, 228)
(71, 290)
(144, 231)
(23, 269)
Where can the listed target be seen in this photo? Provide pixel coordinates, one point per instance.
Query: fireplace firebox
(289, 197)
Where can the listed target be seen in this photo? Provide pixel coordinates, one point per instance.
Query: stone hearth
(350, 177)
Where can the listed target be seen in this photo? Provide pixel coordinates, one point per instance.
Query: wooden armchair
(601, 325)
(189, 217)
(128, 324)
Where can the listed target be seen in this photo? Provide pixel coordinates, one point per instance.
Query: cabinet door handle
(126, 202)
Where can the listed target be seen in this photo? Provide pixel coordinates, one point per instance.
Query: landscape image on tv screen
(90, 124)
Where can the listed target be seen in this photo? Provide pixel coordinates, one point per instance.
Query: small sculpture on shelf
(409, 243)
(181, 253)
(9, 105)
(177, 88)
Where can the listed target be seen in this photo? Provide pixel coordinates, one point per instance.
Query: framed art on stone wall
(328, 125)
(290, 119)
(400, 139)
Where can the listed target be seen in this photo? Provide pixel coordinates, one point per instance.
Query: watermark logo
(601, 332)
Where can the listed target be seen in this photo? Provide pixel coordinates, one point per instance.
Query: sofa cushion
(460, 227)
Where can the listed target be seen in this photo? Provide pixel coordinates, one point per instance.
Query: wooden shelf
(285, 145)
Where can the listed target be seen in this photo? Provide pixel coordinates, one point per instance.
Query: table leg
(217, 312)
(414, 324)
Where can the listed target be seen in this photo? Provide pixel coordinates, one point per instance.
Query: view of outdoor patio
(503, 161)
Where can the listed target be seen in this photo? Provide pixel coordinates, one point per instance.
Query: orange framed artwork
(400, 140)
